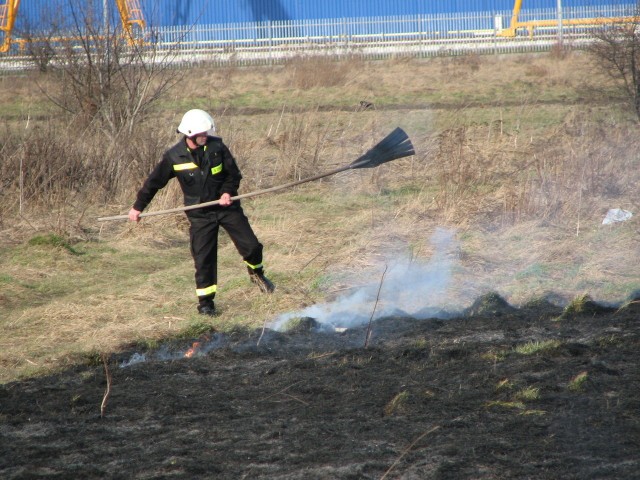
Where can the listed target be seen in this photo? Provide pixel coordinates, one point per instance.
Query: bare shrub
(102, 77)
(119, 167)
(50, 168)
(616, 52)
(57, 164)
(41, 53)
(38, 37)
(10, 176)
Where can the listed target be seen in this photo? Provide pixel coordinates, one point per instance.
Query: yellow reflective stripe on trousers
(217, 169)
(253, 267)
(185, 166)
(203, 292)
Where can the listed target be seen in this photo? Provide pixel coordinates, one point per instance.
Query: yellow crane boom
(8, 12)
(132, 18)
(130, 14)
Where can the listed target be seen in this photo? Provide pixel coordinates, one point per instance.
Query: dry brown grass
(322, 71)
(509, 154)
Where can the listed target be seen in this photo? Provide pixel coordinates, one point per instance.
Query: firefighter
(206, 171)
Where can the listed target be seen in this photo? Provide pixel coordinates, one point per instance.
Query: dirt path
(427, 399)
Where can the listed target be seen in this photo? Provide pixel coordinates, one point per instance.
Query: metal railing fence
(255, 43)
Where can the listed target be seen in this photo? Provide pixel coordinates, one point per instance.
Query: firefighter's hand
(134, 215)
(225, 200)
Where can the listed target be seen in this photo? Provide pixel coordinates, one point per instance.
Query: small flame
(189, 353)
(197, 345)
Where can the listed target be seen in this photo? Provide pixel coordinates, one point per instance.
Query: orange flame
(189, 353)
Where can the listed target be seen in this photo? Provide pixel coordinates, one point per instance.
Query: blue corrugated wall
(186, 12)
(37, 13)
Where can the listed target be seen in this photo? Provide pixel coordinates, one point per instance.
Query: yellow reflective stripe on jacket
(253, 267)
(185, 166)
(217, 169)
(203, 292)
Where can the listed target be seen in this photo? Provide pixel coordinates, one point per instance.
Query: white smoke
(168, 352)
(407, 287)
(402, 287)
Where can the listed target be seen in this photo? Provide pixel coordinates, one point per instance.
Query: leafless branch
(616, 51)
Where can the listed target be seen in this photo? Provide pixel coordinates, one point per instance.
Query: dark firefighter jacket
(203, 178)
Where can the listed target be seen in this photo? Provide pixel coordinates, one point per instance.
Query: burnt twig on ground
(407, 450)
(107, 392)
(366, 340)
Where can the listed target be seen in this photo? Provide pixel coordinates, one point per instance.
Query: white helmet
(196, 121)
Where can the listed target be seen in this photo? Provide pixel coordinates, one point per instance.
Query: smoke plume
(408, 287)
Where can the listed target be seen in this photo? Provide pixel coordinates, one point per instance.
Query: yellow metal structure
(8, 12)
(130, 14)
(515, 24)
(132, 19)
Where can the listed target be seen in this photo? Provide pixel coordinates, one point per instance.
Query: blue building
(224, 25)
(162, 13)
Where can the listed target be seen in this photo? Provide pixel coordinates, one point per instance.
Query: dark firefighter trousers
(203, 232)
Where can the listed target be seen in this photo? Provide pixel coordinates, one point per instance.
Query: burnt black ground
(427, 399)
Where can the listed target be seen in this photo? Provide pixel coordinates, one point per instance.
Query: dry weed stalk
(281, 392)
(264, 328)
(296, 399)
(107, 392)
(368, 336)
(407, 450)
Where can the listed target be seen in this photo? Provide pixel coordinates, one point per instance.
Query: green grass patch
(534, 270)
(397, 403)
(20, 112)
(195, 329)
(408, 190)
(582, 305)
(53, 240)
(528, 394)
(319, 283)
(615, 289)
(506, 404)
(4, 278)
(147, 344)
(495, 355)
(420, 343)
(299, 325)
(577, 383)
(608, 341)
(532, 348)
(533, 412)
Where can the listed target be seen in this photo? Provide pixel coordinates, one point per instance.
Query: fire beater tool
(395, 145)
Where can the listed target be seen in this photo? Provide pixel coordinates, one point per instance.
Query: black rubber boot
(264, 284)
(207, 308)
